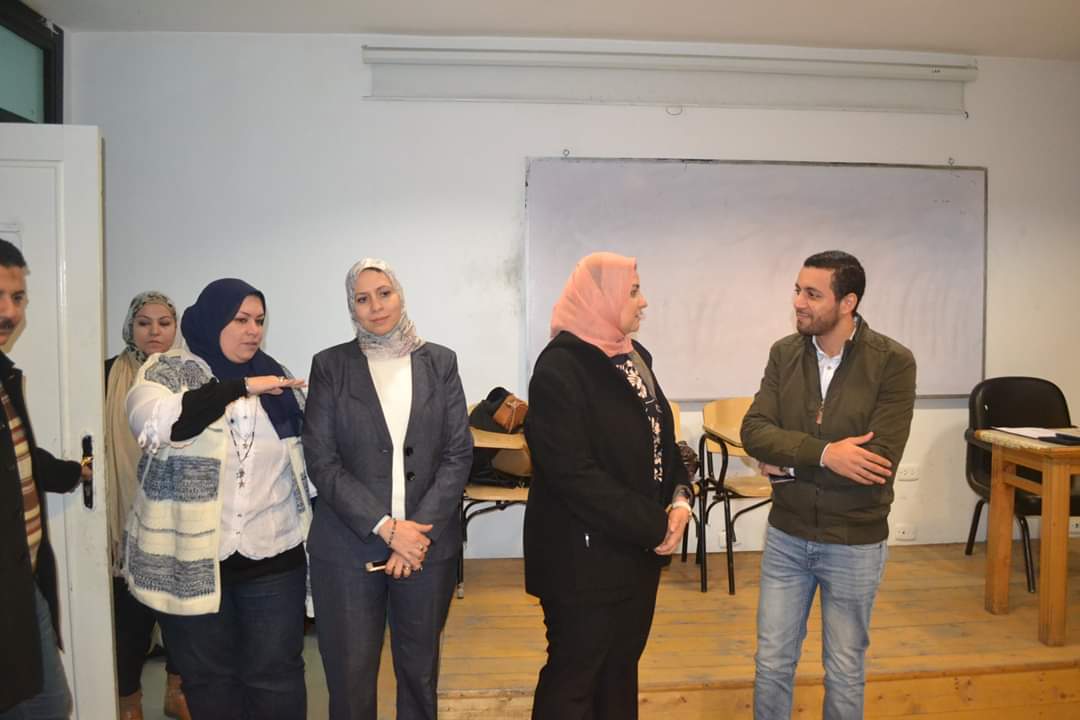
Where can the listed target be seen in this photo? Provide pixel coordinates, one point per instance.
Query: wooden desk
(1056, 463)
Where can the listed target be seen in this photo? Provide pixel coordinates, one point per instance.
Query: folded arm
(763, 437)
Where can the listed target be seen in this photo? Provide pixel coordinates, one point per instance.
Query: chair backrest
(1010, 402)
(726, 413)
(676, 415)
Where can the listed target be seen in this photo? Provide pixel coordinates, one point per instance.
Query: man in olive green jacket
(828, 425)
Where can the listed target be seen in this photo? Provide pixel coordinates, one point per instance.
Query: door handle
(88, 461)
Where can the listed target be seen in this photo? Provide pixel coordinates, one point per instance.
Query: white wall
(255, 156)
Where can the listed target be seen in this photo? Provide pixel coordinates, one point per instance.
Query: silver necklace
(246, 443)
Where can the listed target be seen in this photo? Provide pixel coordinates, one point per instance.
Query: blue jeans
(245, 661)
(54, 700)
(792, 569)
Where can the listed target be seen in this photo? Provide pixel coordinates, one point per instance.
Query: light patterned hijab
(592, 300)
(122, 451)
(150, 297)
(402, 339)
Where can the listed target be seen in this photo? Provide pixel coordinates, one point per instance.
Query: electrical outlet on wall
(904, 532)
(1074, 526)
(721, 540)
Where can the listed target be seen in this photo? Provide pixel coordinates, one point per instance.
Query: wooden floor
(935, 653)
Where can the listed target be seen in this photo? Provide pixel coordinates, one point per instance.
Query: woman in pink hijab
(609, 499)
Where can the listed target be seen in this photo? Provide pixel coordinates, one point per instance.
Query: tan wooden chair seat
(492, 493)
(749, 486)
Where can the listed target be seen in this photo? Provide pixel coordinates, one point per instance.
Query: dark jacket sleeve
(349, 498)
(559, 442)
(891, 420)
(58, 476)
(762, 435)
(443, 498)
(203, 406)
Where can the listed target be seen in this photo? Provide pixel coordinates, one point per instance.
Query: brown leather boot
(131, 706)
(175, 702)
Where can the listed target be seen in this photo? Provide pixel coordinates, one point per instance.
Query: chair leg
(1029, 565)
(729, 536)
(974, 526)
(702, 553)
(685, 541)
(459, 589)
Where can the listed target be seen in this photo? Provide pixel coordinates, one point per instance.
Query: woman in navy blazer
(387, 444)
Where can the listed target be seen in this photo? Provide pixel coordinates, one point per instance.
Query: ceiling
(1047, 29)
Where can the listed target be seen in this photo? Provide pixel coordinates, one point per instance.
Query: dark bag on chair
(502, 412)
(483, 473)
(689, 459)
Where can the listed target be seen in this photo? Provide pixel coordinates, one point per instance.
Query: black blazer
(595, 512)
(20, 649)
(348, 451)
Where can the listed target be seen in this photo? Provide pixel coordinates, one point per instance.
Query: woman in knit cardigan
(215, 538)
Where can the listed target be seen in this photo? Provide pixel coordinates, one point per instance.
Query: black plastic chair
(1013, 402)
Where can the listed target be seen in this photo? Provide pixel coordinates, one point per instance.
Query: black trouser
(134, 625)
(593, 652)
(352, 609)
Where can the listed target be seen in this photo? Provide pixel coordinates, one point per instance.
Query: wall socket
(721, 540)
(907, 473)
(904, 532)
(1074, 527)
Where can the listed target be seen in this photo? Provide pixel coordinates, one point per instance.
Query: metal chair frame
(707, 482)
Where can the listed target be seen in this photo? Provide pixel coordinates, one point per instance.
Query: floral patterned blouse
(653, 411)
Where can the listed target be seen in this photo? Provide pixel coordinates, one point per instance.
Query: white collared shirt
(827, 367)
(258, 512)
(260, 519)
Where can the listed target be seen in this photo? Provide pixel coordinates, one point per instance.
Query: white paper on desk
(1029, 432)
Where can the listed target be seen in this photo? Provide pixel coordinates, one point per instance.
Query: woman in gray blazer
(387, 445)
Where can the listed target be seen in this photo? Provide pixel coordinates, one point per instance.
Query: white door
(51, 207)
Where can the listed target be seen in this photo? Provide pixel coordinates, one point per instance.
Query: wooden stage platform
(935, 652)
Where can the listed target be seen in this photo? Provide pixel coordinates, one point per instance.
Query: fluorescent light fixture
(643, 73)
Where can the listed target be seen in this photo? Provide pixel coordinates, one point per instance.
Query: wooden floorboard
(935, 652)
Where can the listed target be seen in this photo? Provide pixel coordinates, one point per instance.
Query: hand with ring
(409, 540)
(398, 567)
(271, 384)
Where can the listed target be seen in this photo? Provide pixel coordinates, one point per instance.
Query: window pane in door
(22, 77)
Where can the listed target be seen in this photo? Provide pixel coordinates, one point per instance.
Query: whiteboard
(719, 246)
